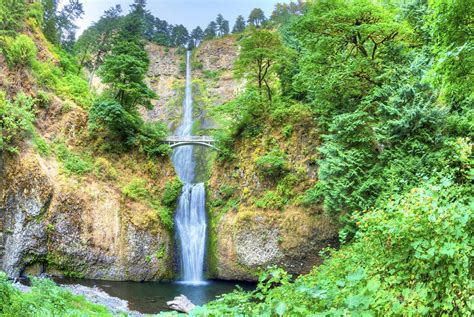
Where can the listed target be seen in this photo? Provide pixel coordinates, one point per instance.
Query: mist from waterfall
(190, 216)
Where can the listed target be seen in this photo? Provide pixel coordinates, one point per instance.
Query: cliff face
(61, 222)
(165, 76)
(84, 226)
(257, 221)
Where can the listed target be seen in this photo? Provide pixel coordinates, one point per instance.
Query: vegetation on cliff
(356, 111)
(385, 87)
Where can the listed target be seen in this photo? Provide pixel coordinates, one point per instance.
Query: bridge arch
(176, 141)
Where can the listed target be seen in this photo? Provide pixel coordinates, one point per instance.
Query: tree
(283, 11)
(65, 23)
(257, 17)
(179, 35)
(59, 26)
(124, 70)
(162, 33)
(222, 25)
(197, 35)
(239, 25)
(97, 41)
(125, 67)
(258, 58)
(211, 31)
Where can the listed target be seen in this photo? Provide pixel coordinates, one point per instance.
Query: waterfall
(190, 216)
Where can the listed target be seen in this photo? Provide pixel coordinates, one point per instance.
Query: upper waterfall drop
(190, 217)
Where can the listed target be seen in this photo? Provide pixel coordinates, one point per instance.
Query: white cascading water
(190, 217)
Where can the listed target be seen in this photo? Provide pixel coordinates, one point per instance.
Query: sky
(190, 13)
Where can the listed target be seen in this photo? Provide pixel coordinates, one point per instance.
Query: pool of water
(151, 297)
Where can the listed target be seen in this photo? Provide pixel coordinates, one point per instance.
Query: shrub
(412, 256)
(149, 139)
(171, 193)
(272, 164)
(41, 145)
(44, 299)
(16, 120)
(104, 169)
(271, 200)
(21, 51)
(136, 189)
(126, 129)
(12, 13)
(166, 217)
(110, 118)
(73, 163)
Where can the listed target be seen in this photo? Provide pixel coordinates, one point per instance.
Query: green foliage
(450, 25)
(16, 120)
(64, 81)
(258, 60)
(124, 70)
(124, 129)
(171, 193)
(410, 257)
(21, 51)
(273, 164)
(12, 14)
(271, 200)
(166, 217)
(79, 164)
(104, 169)
(136, 189)
(41, 145)
(45, 299)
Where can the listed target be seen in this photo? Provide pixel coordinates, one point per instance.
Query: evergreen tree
(162, 33)
(257, 17)
(58, 26)
(179, 35)
(197, 35)
(222, 25)
(96, 41)
(239, 25)
(211, 31)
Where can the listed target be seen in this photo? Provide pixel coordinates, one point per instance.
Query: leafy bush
(20, 51)
(166, 217)
(45, 299)
(136, 189)
(66, 82)
(41, 145)
(412, 256)
(126, 129)
(171, 193)
(272, 164)
(17, 119)
(12, 14)
(149, 139)
(73, 163)
(104, 169)
(271, 200)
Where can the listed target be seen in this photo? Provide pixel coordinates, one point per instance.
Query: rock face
(65, 224)
(248, 241)
(76, 231)
(257, 220)
(166, 79)
(213, 64)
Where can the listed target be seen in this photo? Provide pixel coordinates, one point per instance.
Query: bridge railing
(189, 138)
